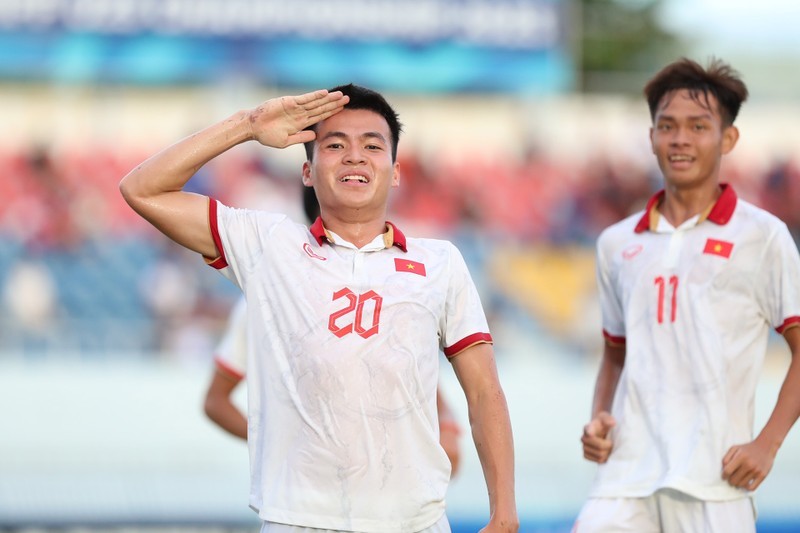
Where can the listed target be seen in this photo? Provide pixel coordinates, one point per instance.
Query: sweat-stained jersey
(342, 368)
(693, 306)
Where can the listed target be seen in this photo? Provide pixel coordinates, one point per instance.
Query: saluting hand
(597, 444)
(280, 122)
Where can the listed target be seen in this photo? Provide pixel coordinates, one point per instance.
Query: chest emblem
(407, 265)
(720, 248)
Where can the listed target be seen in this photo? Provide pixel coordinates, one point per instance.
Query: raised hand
(281, 122)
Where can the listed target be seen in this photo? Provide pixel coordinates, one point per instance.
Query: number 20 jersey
(343, 367)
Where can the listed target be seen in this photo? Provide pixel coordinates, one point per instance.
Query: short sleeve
(464, 322)
(613, 318)
(781, 270)
(241, 236)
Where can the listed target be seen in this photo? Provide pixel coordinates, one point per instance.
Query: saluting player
(689, 291)
(345, 323)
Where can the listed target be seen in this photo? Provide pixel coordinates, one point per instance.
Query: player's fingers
(606, 420)
(312, 96)
(302, 136)
(324, 102)
(732, 452)
(740, 478)
(326, 110)
(754, 483)
(596, 449)
(597, 456)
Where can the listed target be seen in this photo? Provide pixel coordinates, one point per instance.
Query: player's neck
(681, 204)
(354, 229)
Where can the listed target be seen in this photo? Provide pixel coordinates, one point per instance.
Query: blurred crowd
(74, 258)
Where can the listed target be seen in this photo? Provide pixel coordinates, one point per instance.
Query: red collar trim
(318, 231)
(399, 238)
(720, 214)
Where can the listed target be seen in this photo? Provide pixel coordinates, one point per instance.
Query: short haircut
(363, 98)
(718, 79)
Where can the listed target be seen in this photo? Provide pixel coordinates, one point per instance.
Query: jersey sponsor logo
(407, 265)
(311, 253)
(632, 251)
(720, 248)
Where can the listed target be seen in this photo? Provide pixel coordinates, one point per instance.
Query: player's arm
(154, 189)
(219, 406)
(597, 444)
(746, 466)
(449, 432)
(491, 430)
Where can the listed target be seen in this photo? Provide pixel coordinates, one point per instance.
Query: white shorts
(666, 511)
(442, 526)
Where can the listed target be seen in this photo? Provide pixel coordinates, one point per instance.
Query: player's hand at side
(745, 466)
(597, 444)
(280, 122)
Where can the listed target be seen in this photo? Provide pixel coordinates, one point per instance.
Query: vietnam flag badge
(720, 248)
(407, 265)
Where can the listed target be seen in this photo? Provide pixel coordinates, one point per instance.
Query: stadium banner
(402, 45)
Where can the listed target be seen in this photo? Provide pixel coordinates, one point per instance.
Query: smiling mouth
(353, 178)
(680, 159)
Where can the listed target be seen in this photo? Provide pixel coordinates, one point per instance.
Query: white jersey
(693, 306)
(230, 355)
(342, 368)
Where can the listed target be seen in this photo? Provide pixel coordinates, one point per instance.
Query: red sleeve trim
(463, 344)
(220, 262)
(792, 321)
(228, 370)
(613, 340)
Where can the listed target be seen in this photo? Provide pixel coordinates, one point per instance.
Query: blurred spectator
(58, 201)
(30, 296)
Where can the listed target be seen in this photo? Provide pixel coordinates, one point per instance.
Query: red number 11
(661, 283)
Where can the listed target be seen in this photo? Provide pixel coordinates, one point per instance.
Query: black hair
(363, 98)
(719, 79)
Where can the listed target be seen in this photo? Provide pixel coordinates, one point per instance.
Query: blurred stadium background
(525, 135)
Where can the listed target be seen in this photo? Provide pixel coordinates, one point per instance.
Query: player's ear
(730, 135)
(396, 174)
(307, 174)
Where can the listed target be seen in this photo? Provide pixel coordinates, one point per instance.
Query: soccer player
(689, 289)
(345, 321)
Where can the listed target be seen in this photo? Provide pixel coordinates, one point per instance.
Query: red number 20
(357, 303)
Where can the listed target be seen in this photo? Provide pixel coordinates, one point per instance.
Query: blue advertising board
(403, 45)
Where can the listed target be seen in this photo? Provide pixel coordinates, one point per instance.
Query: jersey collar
(391, 237)
(720, 212)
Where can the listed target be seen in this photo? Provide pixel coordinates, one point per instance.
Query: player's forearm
(607, 379)
(226, 416)
(491, 430)
(154, 189)
(786, 411)
(170, 169)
